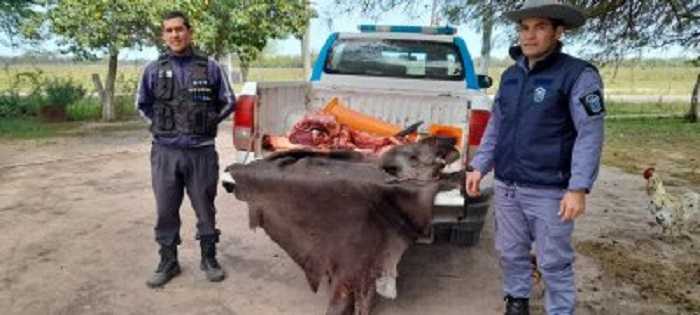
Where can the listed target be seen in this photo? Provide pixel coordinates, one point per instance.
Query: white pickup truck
(399, 74)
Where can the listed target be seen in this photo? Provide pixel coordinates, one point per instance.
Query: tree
(615, 28)
(12, 15)
(87, 27)
(477, 13)
(242, 27)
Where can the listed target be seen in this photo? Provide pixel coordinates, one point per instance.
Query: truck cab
(399, 74)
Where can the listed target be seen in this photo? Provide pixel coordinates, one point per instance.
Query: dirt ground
(76, 219)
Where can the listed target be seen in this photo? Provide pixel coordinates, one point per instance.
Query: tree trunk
(108, 112)
(245, 66)
(486, 31)
(306, 53)
(229, 69)
(694, 113)
(306, 47)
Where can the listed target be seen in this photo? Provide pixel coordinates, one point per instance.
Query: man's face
(176, 35)
(538, 36)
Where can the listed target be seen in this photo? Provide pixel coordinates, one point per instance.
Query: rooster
(676, 214)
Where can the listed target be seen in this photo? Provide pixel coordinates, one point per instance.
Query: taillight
(243, 122)
(478, 119)
(477, 125)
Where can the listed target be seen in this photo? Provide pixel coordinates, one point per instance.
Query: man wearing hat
(544, 143)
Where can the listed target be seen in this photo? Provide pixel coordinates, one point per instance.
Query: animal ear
(446, 141)
(451, 156)
(428, 140)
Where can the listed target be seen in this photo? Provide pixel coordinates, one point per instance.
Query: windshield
(395, 58)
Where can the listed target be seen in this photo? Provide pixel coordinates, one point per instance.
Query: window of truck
(395, 58)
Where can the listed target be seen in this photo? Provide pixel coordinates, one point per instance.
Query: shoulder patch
(593, 103)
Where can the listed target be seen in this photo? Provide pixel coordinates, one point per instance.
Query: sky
(324, 26)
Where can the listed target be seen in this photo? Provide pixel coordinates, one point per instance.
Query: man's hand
(473, 181)
(572, 205)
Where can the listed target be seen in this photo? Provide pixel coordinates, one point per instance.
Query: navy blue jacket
(547, 124)
(225, 99)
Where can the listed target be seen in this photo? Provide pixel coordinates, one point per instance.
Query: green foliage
(86, 26)
(241, 27)
(25, 128)
(12, 101)
(85, 109)
(13, 13)
(125, 106)
(126, 83)
(12, 104)
(90, 109)
(62, 92)
(32, 78)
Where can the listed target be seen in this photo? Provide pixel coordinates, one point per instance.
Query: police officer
(544, 143)
(184, 95)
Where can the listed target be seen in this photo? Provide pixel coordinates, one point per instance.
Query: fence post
(694, 112)
(98, 87)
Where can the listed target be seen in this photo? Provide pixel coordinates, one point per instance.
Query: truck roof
(399, 36)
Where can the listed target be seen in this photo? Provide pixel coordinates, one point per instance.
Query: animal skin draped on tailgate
(341, 216)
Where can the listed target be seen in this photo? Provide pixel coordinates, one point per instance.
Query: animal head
(422, 160)
(654, 184)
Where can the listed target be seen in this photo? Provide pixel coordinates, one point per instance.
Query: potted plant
(59, 94)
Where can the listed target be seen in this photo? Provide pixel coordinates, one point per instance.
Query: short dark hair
(557, 22)
(177, 14)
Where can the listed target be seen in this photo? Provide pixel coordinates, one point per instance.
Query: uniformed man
(544, 143)
(184, 95)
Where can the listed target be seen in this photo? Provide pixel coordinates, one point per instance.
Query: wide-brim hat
(569, 15)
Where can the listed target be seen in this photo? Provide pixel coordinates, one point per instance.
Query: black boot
(168, 267)
(517, 306)
(209, 264)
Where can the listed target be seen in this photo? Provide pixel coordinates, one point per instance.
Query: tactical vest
(184, 109)
(537, 134)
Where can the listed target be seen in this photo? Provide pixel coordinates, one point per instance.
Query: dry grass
(672, 145)
(628, 81)
(653, 81)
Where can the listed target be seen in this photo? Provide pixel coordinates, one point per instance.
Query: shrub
(62, 92)
(85, 109)
(12, 104)
(125, 107)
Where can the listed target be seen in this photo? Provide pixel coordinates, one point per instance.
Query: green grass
(626, 81)
(615, 108)
(31, 128)
(85, 109)
(80, 73)
(26, 128)
(672, 145)
(276, 74)
(638, 80)
(127, 78)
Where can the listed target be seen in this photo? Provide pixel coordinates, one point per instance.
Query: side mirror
(484, 81)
